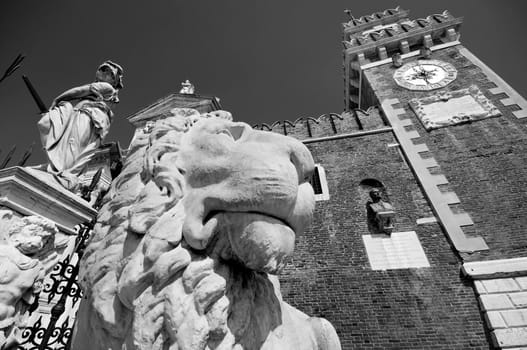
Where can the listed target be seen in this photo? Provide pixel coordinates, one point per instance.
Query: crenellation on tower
(378, 37)
(375, 20)
(328, 125)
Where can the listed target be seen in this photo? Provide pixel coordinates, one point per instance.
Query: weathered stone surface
(506, 338)
(515, 318)
(522, 281)
(26, 255)
(453, 107)
(519, 299)
(503, 301)
(494, 320)
(495, 302)
(500, 285)
(212, 216)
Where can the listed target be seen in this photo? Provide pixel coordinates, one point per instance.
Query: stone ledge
(428, 220)
(451, 222)
(496, 268)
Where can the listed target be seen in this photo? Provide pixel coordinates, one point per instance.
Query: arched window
(373, 183)
(319, 183)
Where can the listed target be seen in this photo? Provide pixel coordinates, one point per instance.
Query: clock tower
(462, 131)
(391, 38)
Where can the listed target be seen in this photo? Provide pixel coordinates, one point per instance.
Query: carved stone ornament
(190, 237)
(455, 107)
(425, 75)
(77, 123)
(26, 255)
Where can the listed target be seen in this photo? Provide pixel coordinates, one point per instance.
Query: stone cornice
(162, 106)
(495, 268)
(33, 192)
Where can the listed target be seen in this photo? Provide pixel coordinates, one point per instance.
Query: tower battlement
(363, 23)
(379, 36)
(372, 38)
(327, 125)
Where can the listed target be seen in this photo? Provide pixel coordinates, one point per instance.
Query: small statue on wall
(380, 213)
(26, 255)
(187, 88)
(77, 123)
(397, 60)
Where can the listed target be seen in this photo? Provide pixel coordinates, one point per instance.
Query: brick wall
(330, 276)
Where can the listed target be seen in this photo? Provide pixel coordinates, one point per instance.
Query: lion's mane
(137, 271)
(146, 287)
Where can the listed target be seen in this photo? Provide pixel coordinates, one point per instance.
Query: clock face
(425, 75)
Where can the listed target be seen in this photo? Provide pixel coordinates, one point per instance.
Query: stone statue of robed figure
(77, 123)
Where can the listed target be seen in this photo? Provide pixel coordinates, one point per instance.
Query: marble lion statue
(191, 235)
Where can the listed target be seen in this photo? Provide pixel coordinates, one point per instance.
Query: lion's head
(203, 206)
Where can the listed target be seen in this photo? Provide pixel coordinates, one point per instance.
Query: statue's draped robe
(70, 135)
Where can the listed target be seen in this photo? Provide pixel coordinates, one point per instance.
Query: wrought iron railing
(61, 295)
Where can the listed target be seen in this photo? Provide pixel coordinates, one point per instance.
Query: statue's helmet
(115, 70)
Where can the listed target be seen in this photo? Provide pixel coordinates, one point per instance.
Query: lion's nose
(302, 159)
(297, 152)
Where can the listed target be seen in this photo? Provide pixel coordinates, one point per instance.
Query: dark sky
(266, 60)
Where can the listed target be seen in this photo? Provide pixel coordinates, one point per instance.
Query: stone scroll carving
(190, 238)
(77, 123)
(26, 255)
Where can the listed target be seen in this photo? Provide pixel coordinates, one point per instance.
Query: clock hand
(421, 74)
(425, 74)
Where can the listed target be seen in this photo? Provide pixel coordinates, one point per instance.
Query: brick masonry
(331, 276)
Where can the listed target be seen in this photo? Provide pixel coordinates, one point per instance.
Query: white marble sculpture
(187, 88)
(26, 255)
(77, 123)
(187, 246)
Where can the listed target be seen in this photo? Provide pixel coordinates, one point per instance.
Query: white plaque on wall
(453, 107)
(400, 250)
